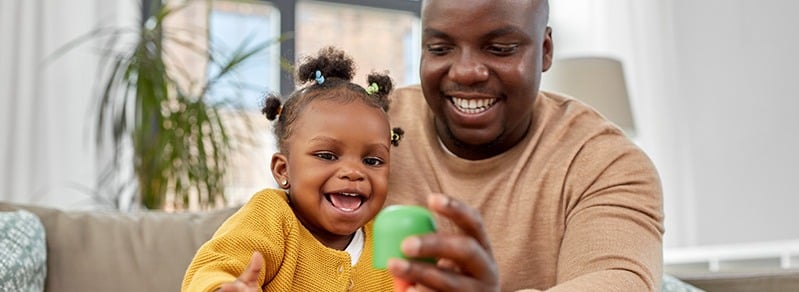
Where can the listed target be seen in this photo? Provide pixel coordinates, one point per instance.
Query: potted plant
(161, 122)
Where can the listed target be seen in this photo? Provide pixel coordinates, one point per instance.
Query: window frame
(288, 14)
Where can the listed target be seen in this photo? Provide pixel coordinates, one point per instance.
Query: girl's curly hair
(337, 69)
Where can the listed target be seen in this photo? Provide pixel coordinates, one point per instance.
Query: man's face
(480, 69)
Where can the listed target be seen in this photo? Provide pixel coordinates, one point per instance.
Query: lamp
(597, 81)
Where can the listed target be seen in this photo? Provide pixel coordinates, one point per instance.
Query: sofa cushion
(23, 254)
(114, 251)
(761, 281)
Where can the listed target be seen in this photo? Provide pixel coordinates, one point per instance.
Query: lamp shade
(597, 81)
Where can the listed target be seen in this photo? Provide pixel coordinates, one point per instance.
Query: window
(236, 24)
(381, 35)
(378, 39)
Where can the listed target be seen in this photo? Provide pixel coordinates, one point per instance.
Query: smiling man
(540, 191)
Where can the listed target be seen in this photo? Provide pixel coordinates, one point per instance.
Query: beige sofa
(776, 281)
(112, 251)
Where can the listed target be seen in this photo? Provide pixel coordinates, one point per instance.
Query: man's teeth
(473, 106)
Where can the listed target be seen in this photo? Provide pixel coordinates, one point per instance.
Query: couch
(149, 251)
(760, 281)
(113, 251)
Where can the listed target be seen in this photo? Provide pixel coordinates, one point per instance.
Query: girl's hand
(248, 280)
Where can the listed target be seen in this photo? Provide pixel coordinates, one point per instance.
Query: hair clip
(396, 136)
(372, 88)
(319, 78)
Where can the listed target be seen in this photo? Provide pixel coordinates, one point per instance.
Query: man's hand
(248, 280)
(465, 260)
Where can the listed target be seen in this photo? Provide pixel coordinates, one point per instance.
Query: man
(541, 191)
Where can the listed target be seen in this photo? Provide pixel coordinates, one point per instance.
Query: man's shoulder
(406, 101)
(561, 109)
(406, 93)
(409, 89)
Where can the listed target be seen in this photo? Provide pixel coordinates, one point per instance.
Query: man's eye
(438, 49)
(325, 156)
(373, 161)
(503, 49)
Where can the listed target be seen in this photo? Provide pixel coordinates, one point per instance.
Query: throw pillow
(23, 252)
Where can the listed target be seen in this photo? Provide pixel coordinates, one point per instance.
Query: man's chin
(473, 139)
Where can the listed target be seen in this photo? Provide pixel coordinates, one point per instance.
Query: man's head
(480, 70)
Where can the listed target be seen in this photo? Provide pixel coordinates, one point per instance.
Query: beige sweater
(576, 206)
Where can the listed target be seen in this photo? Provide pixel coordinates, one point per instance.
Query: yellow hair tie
(396, 136)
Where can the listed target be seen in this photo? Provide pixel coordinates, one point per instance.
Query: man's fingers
(467, 219)
(465, 262)
(461, 253)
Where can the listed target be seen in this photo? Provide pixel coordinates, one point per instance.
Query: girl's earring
(284, 183)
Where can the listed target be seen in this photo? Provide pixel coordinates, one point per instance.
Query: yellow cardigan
(294, 259)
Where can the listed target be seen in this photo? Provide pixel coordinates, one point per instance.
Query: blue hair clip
(319, 78)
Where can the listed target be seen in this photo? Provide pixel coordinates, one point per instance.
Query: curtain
(48, 155)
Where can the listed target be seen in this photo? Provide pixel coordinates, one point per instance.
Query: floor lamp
(597, 81)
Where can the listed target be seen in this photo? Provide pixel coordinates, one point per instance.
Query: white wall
(738, 96)
(716, 106)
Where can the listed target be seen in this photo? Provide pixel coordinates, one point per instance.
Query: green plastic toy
(392, 225)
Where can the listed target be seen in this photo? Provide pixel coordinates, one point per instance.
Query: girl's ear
(280, 170)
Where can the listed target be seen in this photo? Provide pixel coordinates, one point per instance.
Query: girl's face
(337, 167)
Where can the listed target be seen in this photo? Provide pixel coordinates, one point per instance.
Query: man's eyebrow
(502, 31)
(434, 33)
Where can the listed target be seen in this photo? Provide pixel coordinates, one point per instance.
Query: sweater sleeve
(257, 226)
(614, 223)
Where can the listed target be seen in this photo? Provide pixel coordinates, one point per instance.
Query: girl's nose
(348, 171)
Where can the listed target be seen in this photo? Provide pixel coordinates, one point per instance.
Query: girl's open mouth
(347, 202)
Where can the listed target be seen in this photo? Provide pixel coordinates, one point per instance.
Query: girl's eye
(438, 49)
(325, 156)
(373, 161)
(503, 50)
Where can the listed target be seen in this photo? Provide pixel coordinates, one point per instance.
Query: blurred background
(708, 87)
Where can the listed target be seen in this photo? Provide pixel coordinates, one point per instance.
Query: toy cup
(392, 225)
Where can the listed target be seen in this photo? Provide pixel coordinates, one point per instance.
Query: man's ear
(547, 49)
(279, 166)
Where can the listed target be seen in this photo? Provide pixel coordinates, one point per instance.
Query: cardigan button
(340, 269)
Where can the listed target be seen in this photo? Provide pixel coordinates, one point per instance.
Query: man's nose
(468, 69)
